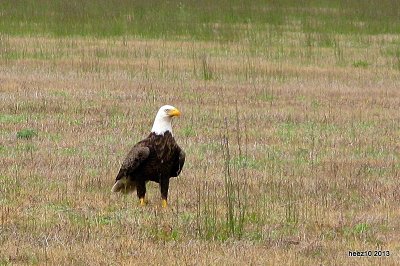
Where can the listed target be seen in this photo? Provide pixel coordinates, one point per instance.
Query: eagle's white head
(162, 122)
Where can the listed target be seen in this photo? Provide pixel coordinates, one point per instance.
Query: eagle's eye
(167, 110)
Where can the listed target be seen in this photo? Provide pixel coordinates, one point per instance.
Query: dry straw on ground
(312, 134)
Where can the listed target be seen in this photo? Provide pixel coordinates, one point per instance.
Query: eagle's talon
(143, 202)
(164, 203)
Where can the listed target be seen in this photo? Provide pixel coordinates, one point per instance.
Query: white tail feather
(124, 185)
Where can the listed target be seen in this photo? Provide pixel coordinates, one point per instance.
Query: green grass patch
(3, 149)
(7, 118)
(26, 133)
(61, 94)
(70, 151)
(361, 231)
(64, 206)
(360, 64)
(287, 131)
(188, 131)
(26, 147)
(54, 137)
(266, 96)
(247, 162)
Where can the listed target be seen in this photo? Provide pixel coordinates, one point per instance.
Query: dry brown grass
(318, 174)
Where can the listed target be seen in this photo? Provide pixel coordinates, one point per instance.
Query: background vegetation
(204, 20)
(290, 123)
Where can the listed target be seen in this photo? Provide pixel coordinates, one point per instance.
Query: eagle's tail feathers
(124, 185)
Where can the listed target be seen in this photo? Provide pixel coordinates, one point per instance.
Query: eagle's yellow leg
(164, 203)
(143, 202)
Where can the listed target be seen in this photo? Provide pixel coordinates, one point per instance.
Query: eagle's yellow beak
(174, 112)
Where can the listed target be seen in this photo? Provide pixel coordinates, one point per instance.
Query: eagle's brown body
(156, 158)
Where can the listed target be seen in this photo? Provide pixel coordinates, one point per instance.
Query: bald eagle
(156, 158)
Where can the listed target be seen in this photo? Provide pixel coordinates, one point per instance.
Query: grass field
(290, 124)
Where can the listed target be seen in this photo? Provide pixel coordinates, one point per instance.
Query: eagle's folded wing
(178, 163)
(135, 157)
